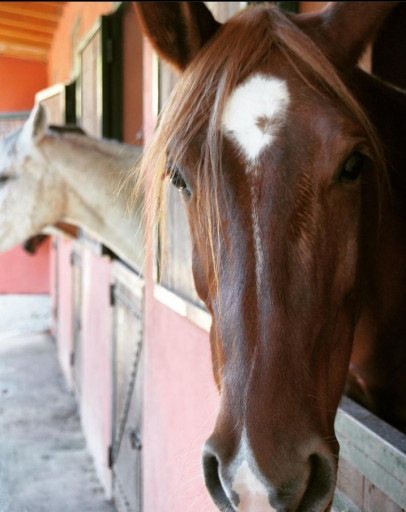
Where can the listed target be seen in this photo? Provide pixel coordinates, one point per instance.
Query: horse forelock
(241, 47)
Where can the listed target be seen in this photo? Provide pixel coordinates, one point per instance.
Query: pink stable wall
(20, 272)
(180, 398)
(96, 361)
(95, 356)
(180, 407)
(95, 347)
(62, 300)
(24, 273)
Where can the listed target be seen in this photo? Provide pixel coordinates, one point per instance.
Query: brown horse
(289, 159)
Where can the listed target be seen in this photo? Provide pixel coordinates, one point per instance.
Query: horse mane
(241, 46)
(109, 148)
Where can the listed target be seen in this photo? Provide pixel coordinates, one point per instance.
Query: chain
(122, 493)
(130, 390)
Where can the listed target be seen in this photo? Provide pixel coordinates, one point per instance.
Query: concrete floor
(44, 465)
(24, 313)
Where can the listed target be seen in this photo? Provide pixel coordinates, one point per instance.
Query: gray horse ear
(344, 29)
(35, 127)
(38, 121)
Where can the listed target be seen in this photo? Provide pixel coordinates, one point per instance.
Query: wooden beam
(16, 8)
(4, 38)
(44, 7)
(25, 35)
(56, 5)
(374, 448)
(23, 52)
(25, 23)
(342, 504)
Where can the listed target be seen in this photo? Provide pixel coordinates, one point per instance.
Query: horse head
(277, 163)
(29, 201)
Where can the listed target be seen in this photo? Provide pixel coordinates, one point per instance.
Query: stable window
(59, 101)
(100, 81)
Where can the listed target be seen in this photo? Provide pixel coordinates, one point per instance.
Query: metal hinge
(135, 439)
(112, 295)
(110, 456)
(75, 259)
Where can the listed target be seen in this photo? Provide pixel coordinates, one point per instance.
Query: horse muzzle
(239, 485)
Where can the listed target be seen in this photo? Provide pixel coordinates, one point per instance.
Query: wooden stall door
(100, 85)
(127, 301)
(76, 262)
(89, 95)
(60, 102)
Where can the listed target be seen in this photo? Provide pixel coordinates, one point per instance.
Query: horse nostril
(320, 487)
(211, 470)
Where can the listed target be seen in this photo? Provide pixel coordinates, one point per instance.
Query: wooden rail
(372, 475)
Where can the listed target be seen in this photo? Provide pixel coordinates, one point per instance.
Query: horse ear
(344, 29)
(35, 126)
(176, 30)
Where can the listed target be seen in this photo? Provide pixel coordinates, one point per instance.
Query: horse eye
(177, 180)
(4, 179)
(353, 167)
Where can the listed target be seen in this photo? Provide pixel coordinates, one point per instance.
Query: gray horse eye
(4, 179)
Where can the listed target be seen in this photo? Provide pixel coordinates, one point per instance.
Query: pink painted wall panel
(96, 361)
(64, 302)
(180, 407)
(21, 272)
(53, 283)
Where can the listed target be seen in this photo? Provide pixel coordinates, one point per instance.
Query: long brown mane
(241, 46)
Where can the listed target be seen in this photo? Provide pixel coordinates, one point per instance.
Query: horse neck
(383, 322)
(386, 107)
(91, 172)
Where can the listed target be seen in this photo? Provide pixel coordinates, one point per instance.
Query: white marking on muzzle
(252, 493)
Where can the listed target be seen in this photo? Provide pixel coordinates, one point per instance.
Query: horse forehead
(254, 113)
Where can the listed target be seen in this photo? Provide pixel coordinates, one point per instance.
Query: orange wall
(60, 56)
(20, 80)
(19, 271)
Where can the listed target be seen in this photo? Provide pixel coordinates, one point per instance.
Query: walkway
(44, 465)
